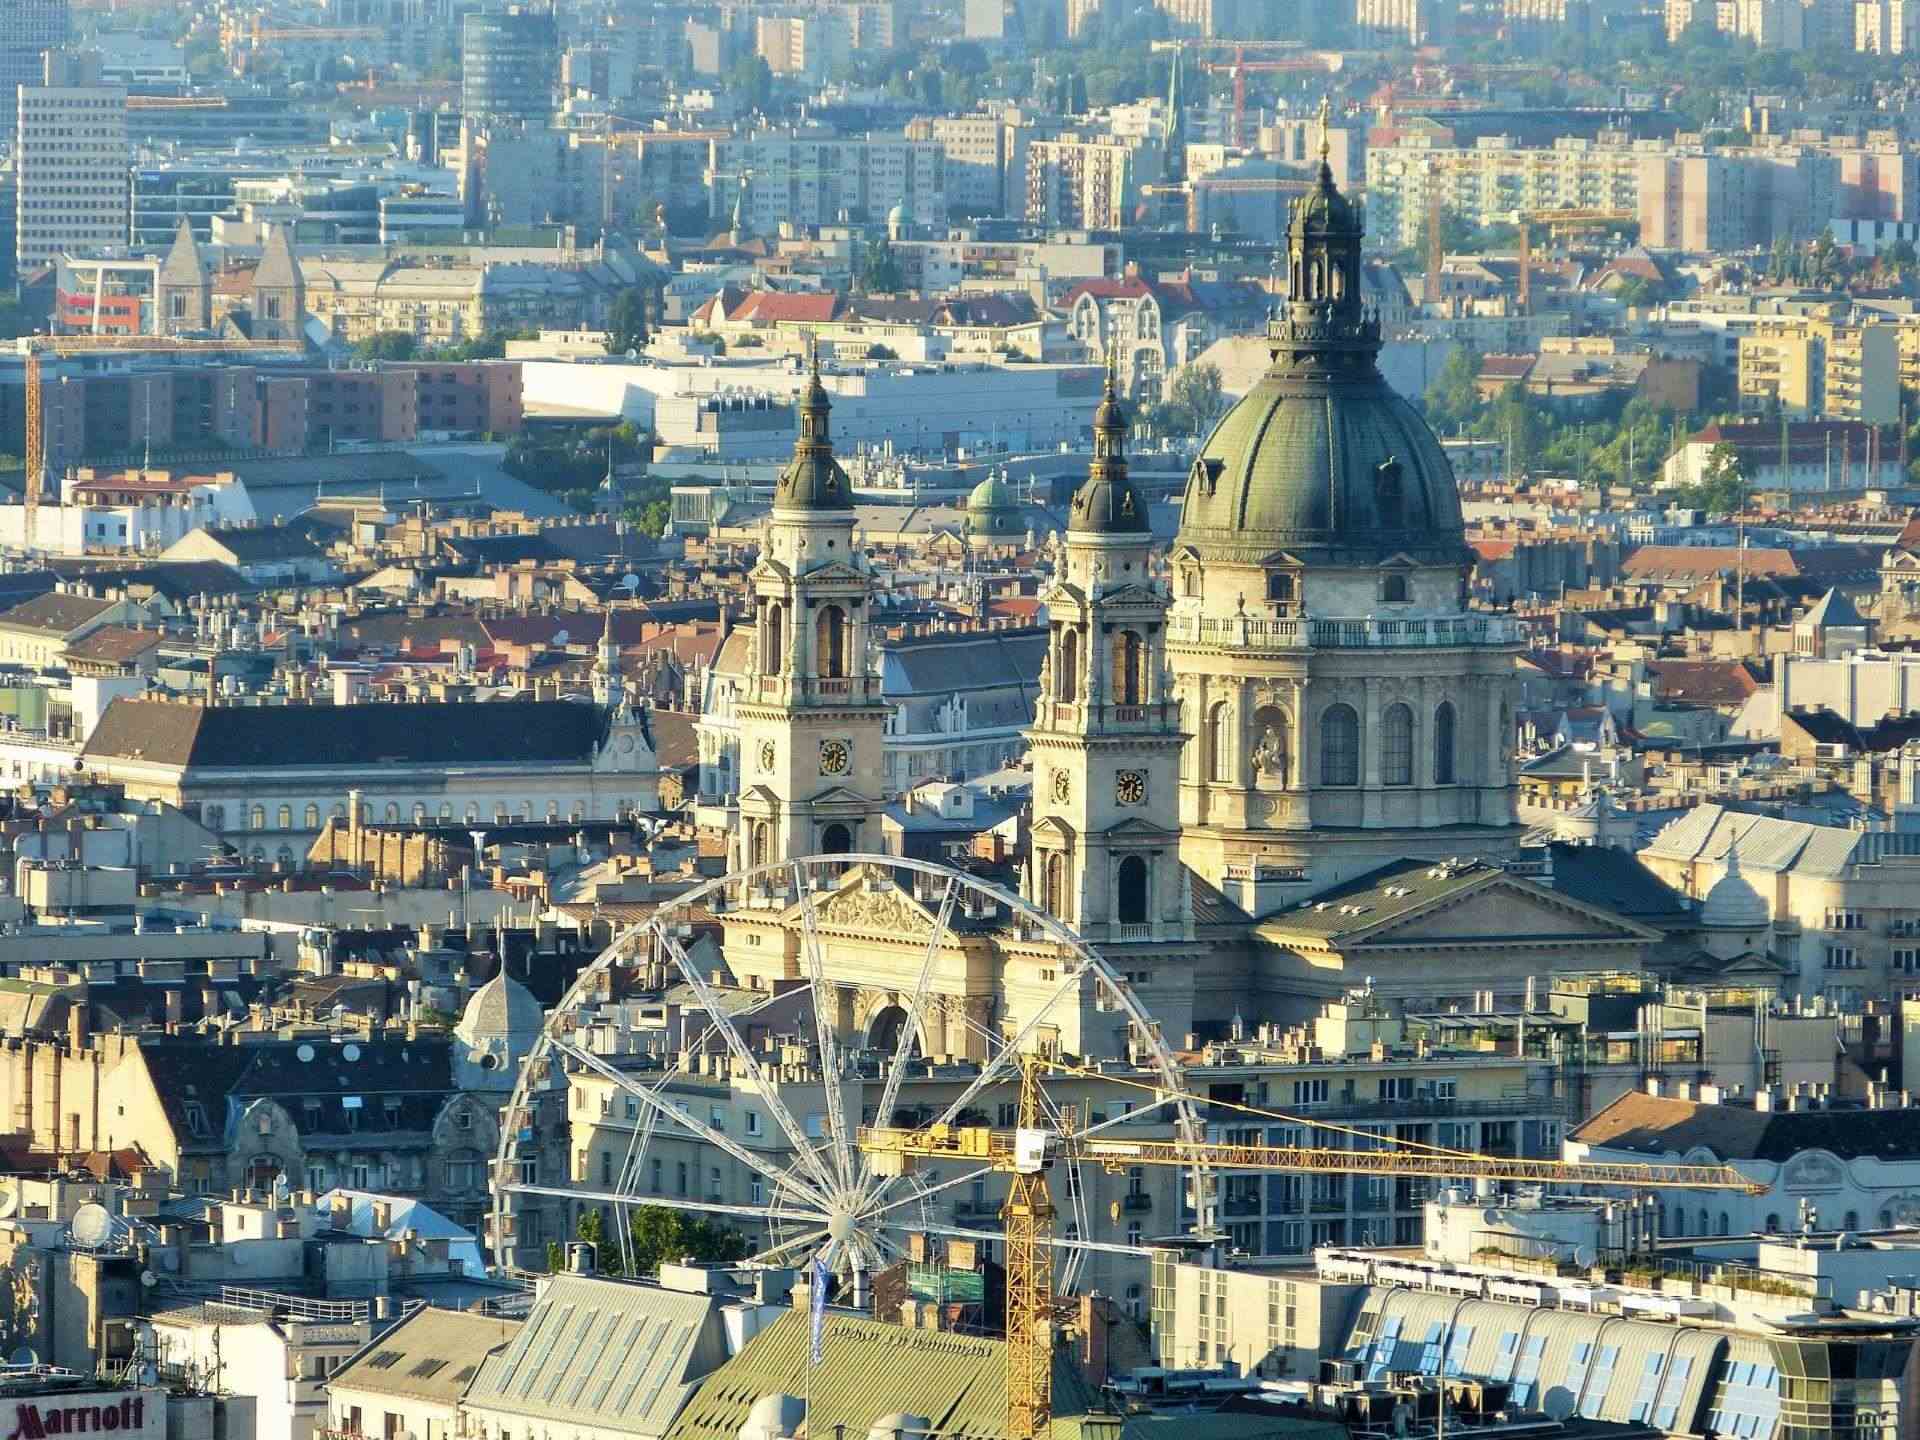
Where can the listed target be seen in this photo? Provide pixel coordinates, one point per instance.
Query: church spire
(1108, 504)
(813, 479)
(1324, 315)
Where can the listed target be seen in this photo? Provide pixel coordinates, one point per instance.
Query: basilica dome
(993, 510)
(1322, 458)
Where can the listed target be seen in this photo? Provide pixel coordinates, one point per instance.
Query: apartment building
(71, 162)
(977, 149)
(1090, 182)
(1485, 183)
(1823, 369)
(28, 29)
(1731, 199)
(1403, 22)
(776, 177)
(1886, 27)
(808, 42)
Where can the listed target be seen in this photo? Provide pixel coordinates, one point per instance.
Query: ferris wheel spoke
(805, 1237)
(903, 1045)
(665, 1202)
(927, 1191)
(768, 1091)
(823, 1023)
(675, 1115)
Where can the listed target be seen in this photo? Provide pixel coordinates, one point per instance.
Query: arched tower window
(1066, 681)
(1054, 890)
(1443, 768)
(1219, 749)
(762, 843)
(1396, 746)
(830, 643)
(836, 839)
(1130, 891)
(1339, 746)
(1129, 668)
(773, 658)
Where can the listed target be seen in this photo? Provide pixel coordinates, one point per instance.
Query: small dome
(1733, 903)
(502, 1007)
(993, 510)
(1107, 504)
(901, 1426)
(813, 479)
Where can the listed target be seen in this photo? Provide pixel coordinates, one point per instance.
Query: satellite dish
(560, 637)
(305, 1052)
(9, 1199)
(632, 354)
(148, 1279)
(1583, 1255)
(349, 1052)
(92, 1224)
(630, 581)
(339, 1013)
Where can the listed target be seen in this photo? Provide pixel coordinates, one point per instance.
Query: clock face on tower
(835, 757)
(767, 755)
(1062, 786)
(1130, 787)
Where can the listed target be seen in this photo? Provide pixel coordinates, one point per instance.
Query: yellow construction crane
(1025, 1153)
(1559, 223)
(36, 346)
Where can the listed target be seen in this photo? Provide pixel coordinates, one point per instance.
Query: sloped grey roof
(1833, 611)
(605, 1354)
(431, 1355)
(182, 266)
(1707, 832)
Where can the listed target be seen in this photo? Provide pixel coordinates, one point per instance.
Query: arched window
(1219, 744)
(1706, 1223)
(762, 843)
(836, 839)
(1773, 1224)
(1851, 1220)
(1339, 746)
(1129, 668)
(419, 813)
(1066, 680)
(1130, 891)
(1396, 746)
(262, 1171)
(830, 643)
(553, 812)
(1054, 890)
(773, 656)
(446, 812)
(313, 816)
(257, 820)
(1443, 772)
(1720, 1225)
(1679, 1224)
(1393, 589)
(473, 812)
(285, 857)
(215, 817)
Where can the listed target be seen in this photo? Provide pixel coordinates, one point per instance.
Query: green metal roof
(868, 1370)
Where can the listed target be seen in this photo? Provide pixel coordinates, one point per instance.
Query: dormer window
(1280, 588)
(1394, 588)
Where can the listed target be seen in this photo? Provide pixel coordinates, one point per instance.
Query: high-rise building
(510, 61)
(28, 29)
(71, 160)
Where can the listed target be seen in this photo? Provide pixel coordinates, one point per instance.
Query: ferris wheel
(649, 1023)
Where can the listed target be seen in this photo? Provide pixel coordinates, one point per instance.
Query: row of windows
(1339, 745)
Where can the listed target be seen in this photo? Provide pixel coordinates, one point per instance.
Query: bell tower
(812, 719)
(1106, 736)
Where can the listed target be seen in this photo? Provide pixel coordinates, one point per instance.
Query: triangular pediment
(1399, 560)
(876, 906)
(1139, 828)
(1280, 557)
(769, 569)
(838, 795)
(1506, 909)
(1054, 825)
(834, 572)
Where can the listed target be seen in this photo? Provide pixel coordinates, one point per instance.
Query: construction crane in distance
(34, 347)
(1025, 1153)
(1560, 223)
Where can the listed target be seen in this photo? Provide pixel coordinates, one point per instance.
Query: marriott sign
(141, 1414)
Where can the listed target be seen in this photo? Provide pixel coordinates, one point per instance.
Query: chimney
(1653, 1085)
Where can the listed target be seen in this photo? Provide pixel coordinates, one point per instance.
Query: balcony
(1137, 1203)
(1437, 633)
(1243, 1205)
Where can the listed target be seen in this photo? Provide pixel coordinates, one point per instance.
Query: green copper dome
(1322, 458)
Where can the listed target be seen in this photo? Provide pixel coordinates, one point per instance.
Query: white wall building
(70, 163)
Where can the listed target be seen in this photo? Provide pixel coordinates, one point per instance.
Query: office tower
(509, 64)
(71, 161)
(28, 29)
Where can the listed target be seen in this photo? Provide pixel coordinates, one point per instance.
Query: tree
(387, 345)
(880, 272)
(1194, 400)
(662, 1235)
(877, 351)
(1722, 489)
(627, 321)
(751, 80)
(1453, 398)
